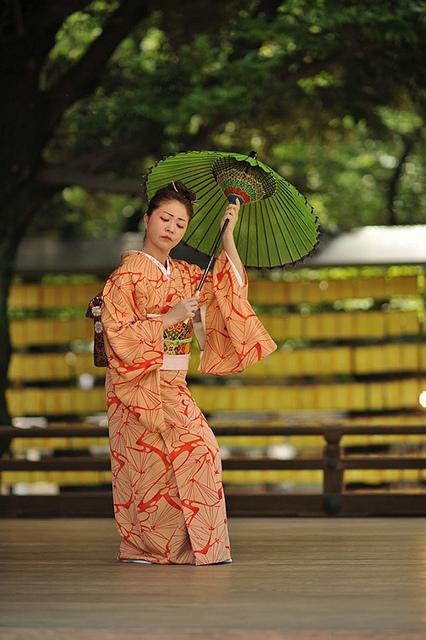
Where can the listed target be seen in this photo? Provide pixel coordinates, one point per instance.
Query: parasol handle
(209, 264)
(232, 199)
(200, 284)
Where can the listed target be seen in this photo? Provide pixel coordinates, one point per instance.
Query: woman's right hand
(185, 308)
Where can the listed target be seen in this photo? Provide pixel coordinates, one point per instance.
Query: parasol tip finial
(252, 154)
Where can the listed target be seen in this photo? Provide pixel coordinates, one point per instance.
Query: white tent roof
(377, 245)
(373, 245)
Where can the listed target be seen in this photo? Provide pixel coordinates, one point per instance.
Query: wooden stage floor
(291, 578)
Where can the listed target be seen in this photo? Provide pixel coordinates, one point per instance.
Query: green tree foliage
(329, 93)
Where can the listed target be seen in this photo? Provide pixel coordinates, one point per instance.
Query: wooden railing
(334, 500)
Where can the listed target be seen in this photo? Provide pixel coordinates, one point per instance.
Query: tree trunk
(28, 198)
(395, 181)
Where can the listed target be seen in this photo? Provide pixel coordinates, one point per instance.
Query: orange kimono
(168, 497)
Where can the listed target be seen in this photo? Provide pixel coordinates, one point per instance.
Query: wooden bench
(333, 501)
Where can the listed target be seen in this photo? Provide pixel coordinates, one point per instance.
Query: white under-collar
(166, 270)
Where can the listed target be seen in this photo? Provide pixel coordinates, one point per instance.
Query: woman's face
(166, 225)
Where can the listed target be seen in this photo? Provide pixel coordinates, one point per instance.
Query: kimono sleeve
(233, 336)
(207, 290)
(133, 342)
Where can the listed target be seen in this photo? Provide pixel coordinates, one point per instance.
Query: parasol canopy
(276, 225)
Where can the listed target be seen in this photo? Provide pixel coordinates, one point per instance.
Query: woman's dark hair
(173, 191)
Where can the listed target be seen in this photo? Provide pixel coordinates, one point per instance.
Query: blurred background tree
(330, 93)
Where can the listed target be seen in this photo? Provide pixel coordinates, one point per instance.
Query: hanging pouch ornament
(94, 312)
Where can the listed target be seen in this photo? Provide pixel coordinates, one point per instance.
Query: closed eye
(179, 225)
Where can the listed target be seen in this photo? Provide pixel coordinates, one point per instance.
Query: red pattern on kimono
(168, 497)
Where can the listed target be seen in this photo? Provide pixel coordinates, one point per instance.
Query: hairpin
(174, 187)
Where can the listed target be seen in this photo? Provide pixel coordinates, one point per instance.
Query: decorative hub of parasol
(239, 178)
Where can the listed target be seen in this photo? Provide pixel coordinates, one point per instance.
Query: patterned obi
(177, 338)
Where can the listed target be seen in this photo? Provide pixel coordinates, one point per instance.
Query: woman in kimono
(168, 497)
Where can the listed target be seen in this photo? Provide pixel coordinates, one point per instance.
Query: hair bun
(179, 187)
(174, 190)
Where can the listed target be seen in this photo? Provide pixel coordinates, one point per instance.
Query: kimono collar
(167, 270)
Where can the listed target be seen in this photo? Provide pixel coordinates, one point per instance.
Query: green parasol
(276, 226)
